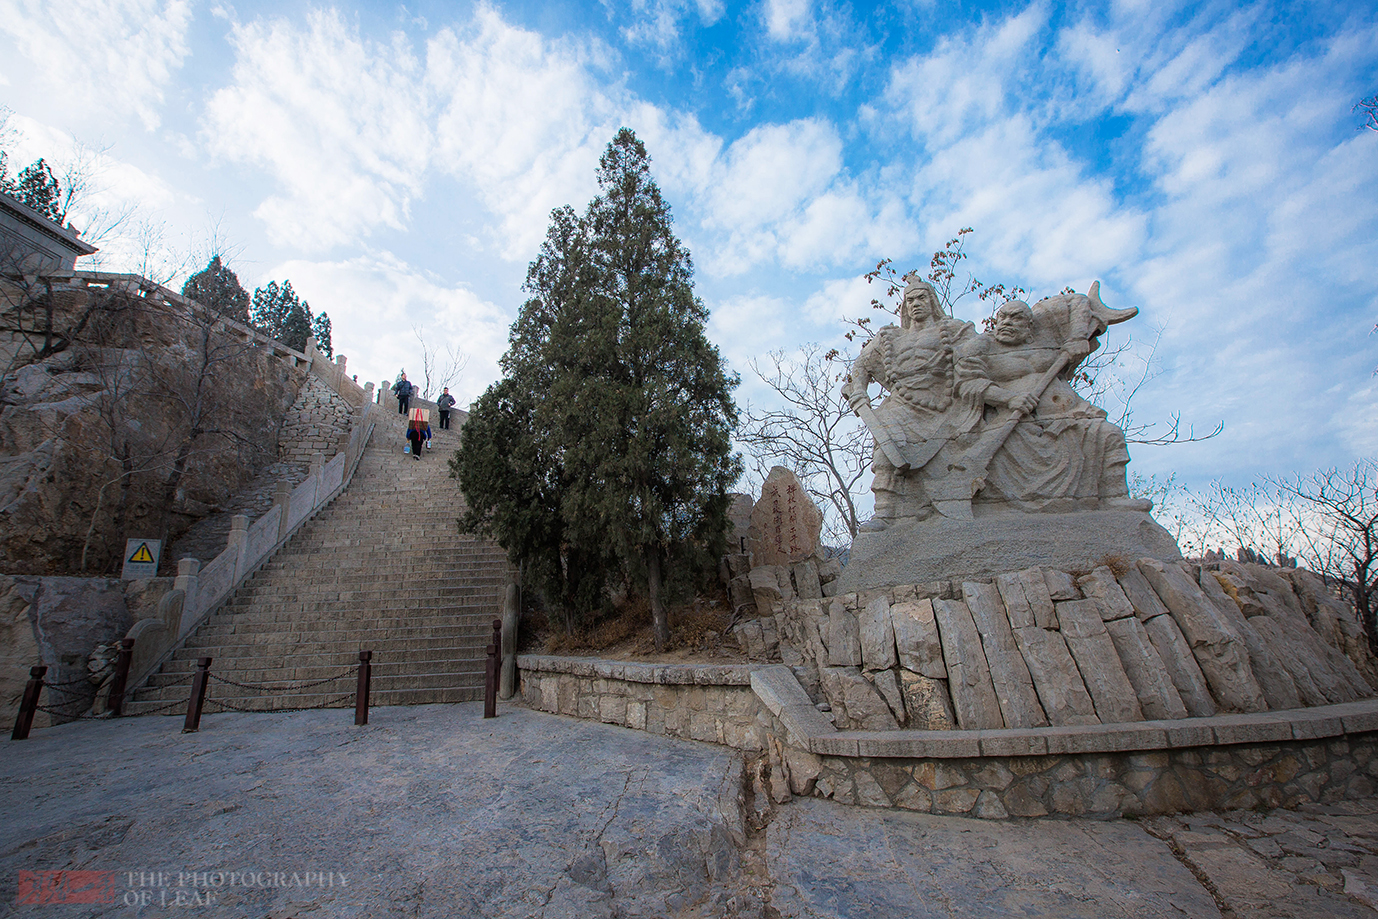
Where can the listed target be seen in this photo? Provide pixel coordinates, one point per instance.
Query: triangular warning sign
(142, 554)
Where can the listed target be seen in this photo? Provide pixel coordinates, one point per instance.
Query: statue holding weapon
(988, 424)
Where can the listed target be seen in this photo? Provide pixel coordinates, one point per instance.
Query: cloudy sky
(398, 164)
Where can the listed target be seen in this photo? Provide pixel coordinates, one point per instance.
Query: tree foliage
(615, 412)
(320, 329)
(217, 288)
(35, 186)
(279, 313)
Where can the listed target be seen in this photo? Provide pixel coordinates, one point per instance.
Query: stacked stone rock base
(1151, 640)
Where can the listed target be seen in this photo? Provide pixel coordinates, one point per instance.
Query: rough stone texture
(929, 550)
(877, 635)
(806, 582)
(1114, 784)
(910, 865)
(844, 639)
(765, 588)
(1061, 585)
(784, 523)
(1100, 586)
(1180, 664)
(855, 701)
(586, 820)
(1140, 594)
(887, 683)
(973, 694)
(317, 422)
(1157, 696)
(51, 430)
(691, 703)
(1218, 648)
(1098, 662)
(66, 618)
(1278, 688)
(1009, 674)
(916, 638)
(1061, 689)
(1336, 623)
(927, 703)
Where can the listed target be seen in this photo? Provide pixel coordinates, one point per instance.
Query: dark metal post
(361, 691)
(117, 682)
(28, 704)
(198, 696)
(490, 678)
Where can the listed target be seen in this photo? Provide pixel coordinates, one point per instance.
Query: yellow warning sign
(142, 554)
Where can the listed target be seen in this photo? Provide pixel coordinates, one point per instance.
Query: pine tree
(35, 186)
(629, 400)
(279, 313)
(217, 288)
(320, 327)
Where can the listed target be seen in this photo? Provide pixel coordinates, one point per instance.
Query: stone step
(280, 677)
(378, 698)
(362, 638)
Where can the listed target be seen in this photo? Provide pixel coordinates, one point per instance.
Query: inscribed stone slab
(784, 523)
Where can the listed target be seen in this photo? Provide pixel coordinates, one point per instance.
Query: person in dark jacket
(404, 391)
(416, 436)
(445, 403)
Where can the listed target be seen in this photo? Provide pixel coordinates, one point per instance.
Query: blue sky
(399, 164)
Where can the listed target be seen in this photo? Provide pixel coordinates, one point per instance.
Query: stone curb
(779, 691)
(663, 674)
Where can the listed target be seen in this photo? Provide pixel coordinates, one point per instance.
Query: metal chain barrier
(328, 703)
(270, 688)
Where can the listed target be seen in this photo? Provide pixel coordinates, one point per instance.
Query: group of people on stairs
(418, 424)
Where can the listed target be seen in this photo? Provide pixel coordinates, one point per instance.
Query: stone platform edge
(780, 693)
(636, 672)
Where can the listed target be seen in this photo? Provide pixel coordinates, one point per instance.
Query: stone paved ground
(431, 811)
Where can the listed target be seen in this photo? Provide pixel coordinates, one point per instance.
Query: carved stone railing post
(368, 393)
(188, 573)
(239, 538)
(317, 461)
(282, 499)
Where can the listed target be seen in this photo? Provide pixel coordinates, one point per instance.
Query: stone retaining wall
(693, 702)
(1267, 759)
(318, 422)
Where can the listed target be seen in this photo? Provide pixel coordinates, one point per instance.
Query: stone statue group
(976, 425)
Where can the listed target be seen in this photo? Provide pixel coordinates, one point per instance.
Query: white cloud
(339, 120)
(657, 24)
(521, 118)
(115, 54)
(375, 302)
(788, 19)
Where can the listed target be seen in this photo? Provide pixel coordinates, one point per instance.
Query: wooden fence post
(198, 696)
(28, 704)
(361, 691)
(490, 678)
(115, 701)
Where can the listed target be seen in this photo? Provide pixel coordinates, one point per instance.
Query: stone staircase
(383, 568)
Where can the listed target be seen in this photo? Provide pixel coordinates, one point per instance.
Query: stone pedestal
(916, 552)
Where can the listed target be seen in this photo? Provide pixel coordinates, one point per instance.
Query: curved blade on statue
(884, 439)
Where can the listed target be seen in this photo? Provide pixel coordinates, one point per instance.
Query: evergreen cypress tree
(279, 313)
(217, 288)
(320, 327)
(619, 401)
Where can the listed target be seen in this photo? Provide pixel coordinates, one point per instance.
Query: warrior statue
(988, 423)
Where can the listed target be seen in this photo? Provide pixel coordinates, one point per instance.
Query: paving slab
(426, 811)
(830, 861)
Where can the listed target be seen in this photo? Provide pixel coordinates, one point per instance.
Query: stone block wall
(714, 704)
(318, 422)
(1108, 785)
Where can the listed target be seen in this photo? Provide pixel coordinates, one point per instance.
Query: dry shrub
(1119, 565)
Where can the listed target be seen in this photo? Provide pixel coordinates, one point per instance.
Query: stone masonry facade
(317, 422)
